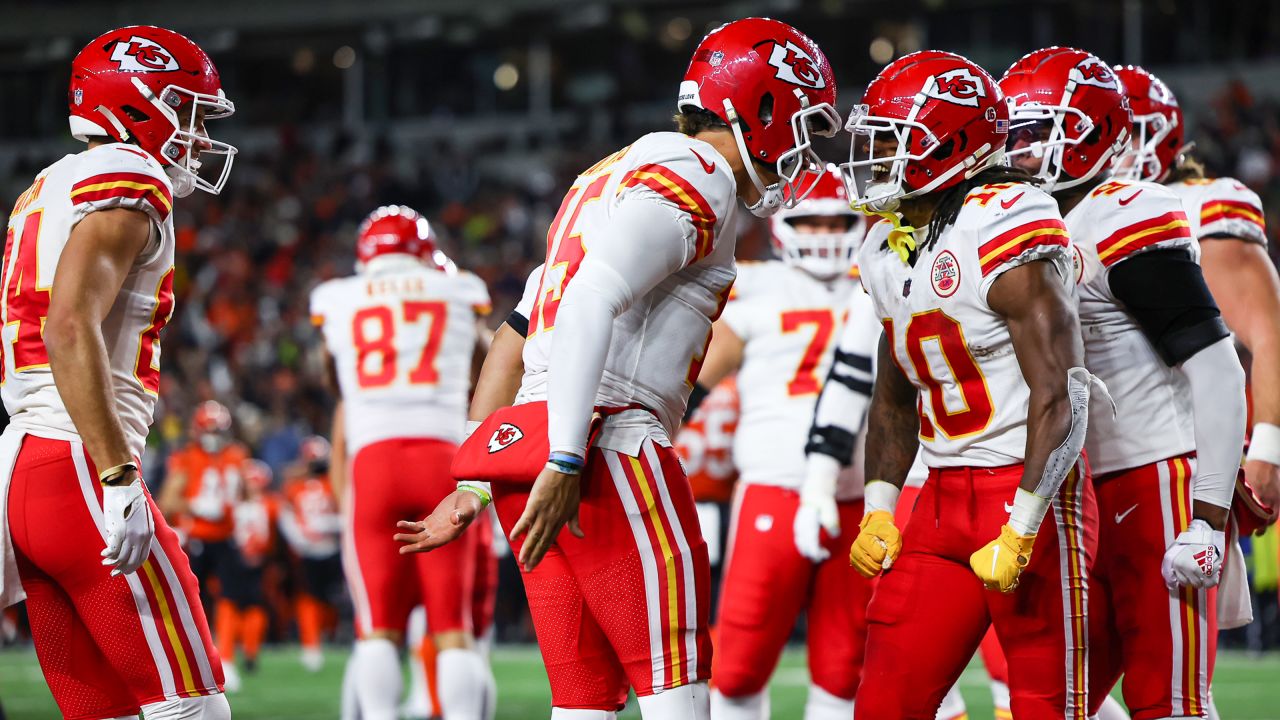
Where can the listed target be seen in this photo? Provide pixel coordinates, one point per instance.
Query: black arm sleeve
(519, 323)
(1165, 292)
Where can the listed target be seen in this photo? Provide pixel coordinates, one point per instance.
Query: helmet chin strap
(771, 196)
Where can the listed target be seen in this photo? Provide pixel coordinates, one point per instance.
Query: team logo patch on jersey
(945, 274)
(139, 54)
(504, 437)
(1077, 264)
(796, 66)
(959, 86)
(1092, 71)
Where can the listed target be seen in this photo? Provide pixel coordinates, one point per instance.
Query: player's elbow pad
(1165, 292)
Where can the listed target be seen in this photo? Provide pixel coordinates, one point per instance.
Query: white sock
(377, 678)
(461, 676)
(490, 691)
(205, 707)
(578, 714)
(1000, 696)
(687, 702)
(419, 699)
(1111, 710)
(952, 704)
(745, 707)
(822, 705)
(350, 708)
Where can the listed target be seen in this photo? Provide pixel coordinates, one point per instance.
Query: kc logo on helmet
(138, 54)
(959, 86)
(1092, 71)
(796, 66)
(504, 437)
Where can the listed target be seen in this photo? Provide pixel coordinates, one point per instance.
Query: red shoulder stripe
(124, 185)
(1012, 243)
(1231, 210)
(671, 186)
(1128, 240)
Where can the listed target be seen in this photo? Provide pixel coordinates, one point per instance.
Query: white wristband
(1264, 444)
(1028, 512)
(880, 495)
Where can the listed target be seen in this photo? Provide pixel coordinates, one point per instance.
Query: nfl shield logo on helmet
(504, 437)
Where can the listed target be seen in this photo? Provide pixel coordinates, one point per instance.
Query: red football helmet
(774, 88)
(256, 474)
(211, 417)
(136, 84)
(1067, 111)
(396, 229)
(937, 117)
(824, 253)
(1157, 127)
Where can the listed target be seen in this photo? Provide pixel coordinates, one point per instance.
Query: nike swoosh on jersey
(1012, 200)
(1120, 516)
(1008, 507)
(709, 167)
(1126, 201)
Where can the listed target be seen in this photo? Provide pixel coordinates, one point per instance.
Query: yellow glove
(877, 545)
(1000, 563)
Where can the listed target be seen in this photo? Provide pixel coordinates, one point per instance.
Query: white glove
(818, 509)
(129, 527)
(1195, 557)
(207, 507)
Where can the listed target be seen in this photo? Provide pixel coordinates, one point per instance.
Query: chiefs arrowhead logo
(959, 86)
(796, 66)
(138, 54)
(504, 437)
(1092, 71)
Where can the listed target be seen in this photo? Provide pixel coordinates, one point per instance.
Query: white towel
(10, 584)
(1235, 608)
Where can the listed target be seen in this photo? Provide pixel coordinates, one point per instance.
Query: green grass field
(1246, 688)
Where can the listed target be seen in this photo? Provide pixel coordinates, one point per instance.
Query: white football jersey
(108, 176)
(1223, 206)
(659, 341)
(951, 345)
(402, 336)
(1153, 417)
(788, 322)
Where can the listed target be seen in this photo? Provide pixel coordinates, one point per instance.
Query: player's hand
(1195, 557)
(1264, 478)
(818, 510)
(445, 524)
(1000, 564)
(127, 517)
(877, 545)
(552, 503)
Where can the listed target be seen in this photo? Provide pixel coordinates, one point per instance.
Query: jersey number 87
(374, 333)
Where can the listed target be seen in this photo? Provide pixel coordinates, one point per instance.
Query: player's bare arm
(496, 387)
(99, 254)
(1045, 330)
(337, 433)
(173, 501)
(1245, 284)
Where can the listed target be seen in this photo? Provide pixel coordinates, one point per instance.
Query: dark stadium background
(480, 112)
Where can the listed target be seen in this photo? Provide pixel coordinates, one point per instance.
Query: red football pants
(993, 659)
(930, 612)
(1163, 641)
(404, 479)
(767, 583)
(627, 605)
(107, 645)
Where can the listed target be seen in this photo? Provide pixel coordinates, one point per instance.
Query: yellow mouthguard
(902, 238)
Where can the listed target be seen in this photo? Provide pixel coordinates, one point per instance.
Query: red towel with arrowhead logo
(511, 445)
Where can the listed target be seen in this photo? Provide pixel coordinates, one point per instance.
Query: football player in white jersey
(88, 276)
(1165, 456)
(400, 335)
(1227, 220)
(981, 368)
(777, 333)
(639, 264)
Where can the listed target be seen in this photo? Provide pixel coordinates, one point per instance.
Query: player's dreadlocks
(953, 197)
